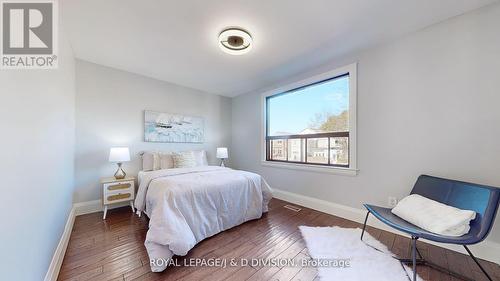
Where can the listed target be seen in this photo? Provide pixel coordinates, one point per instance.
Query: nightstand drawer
(119, 186)
(118, 197)
(119, 191)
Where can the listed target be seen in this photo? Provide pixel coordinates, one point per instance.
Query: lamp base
(120, 173)
(222, 163)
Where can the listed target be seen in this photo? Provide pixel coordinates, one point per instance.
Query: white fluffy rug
(366, 263)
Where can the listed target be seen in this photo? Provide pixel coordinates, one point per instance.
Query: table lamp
(119, 155)
(222, 154)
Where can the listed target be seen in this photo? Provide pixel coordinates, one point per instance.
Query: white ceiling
(176, 41)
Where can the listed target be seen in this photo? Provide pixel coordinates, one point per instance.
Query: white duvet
(187, 205)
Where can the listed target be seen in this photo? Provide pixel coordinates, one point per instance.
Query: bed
(187, 205)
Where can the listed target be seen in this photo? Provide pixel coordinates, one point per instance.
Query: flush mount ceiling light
(235, 41)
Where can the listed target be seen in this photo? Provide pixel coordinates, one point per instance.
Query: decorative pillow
(200, 157)
(184, 160)
(156, 161)
(151, 161)
(166, 160)
(148, 160)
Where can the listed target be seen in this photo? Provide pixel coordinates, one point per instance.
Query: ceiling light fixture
(235, 41)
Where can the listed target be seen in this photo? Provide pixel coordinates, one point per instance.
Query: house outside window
(313, 122)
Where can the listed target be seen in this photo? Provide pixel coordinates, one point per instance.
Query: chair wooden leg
(364, 225)
(477, 262)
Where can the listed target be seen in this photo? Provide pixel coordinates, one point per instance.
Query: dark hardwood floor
(113, 249)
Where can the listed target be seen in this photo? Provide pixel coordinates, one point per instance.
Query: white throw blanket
(188, 205)
(434, 216)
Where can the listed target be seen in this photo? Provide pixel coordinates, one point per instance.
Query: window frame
(305, 137)
(351, 169)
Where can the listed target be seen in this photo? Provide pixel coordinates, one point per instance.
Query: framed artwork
(169, 127)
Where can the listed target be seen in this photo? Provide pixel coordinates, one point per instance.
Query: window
(312, 123)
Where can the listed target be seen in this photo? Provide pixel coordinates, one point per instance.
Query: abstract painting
(168, 127)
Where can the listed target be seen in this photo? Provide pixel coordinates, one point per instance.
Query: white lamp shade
(222, 153)
(119, 154)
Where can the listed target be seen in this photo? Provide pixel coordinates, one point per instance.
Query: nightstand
(116, 191)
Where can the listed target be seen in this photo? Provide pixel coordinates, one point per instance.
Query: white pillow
(150, 161)
(154, 160)
(166, 160)
(184, 160)
(200, 157)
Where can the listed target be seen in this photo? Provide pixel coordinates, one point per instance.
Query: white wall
(110, 108)
(37, 148)
(427, 103)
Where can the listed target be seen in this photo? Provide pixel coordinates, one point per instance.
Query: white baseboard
(94, 206)
(487, 250)
(57, 258)
(83, 208)
(78, 209)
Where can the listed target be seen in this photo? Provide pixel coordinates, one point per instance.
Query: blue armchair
(484, 200)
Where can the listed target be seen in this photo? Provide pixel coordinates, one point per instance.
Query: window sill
(312, 168)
